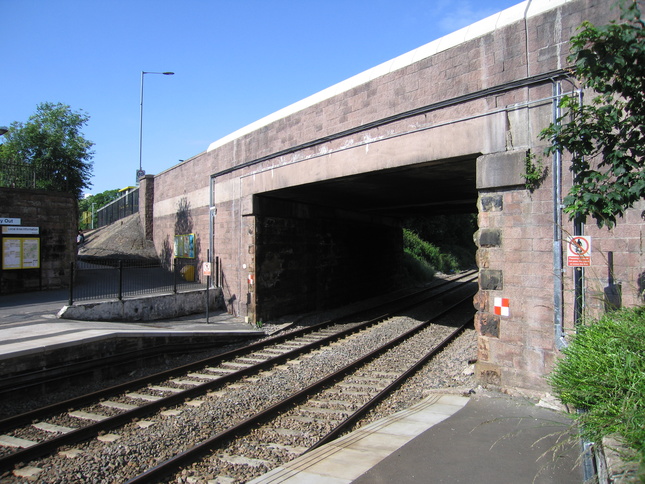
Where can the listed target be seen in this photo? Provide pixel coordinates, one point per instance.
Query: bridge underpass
(313, 194)
(340, 240)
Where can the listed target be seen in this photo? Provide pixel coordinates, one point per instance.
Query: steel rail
(188, 456)
(360, 412)
(92, 430)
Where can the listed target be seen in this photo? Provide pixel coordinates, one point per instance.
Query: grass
(428, 254)
(602, 374)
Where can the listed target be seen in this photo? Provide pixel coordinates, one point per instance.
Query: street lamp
(140, 172)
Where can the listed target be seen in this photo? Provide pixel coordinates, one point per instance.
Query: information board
(185, 246)
(20, 253)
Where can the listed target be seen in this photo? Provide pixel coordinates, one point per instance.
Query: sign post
(206, 270)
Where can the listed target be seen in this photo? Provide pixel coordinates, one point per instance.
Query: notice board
(20, 253)
(185, 246)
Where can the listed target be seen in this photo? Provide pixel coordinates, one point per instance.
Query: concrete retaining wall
(144, 309)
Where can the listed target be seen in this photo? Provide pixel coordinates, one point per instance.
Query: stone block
(480, 301)
(488, 373)
(491, 203)
(487, 324)
(489, 237)
(491, 280)
(483, 349)
(501, 170)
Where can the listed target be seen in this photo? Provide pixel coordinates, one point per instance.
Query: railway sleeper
(225, 371)
(306, 419)
(243, 460)
(205, 376)
(48, 427)
(236, 364)
(291, 449)
(251, 360)
(28, 472)
(343, 403)
(9, 441)
(186, 383)
(143, 396)
(327, 411)
(359, 386)
(289, 432)
(95, 417)
(163, 389)
(118, 405)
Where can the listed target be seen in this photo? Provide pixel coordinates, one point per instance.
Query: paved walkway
(485, 438)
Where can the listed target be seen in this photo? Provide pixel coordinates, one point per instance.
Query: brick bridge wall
(485, 96)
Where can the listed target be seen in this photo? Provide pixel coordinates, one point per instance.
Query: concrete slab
(488, 437)
(348, 457)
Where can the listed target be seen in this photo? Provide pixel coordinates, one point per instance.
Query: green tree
(605, 137)
(48, 152)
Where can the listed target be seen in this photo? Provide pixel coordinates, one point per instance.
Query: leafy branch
(606, 137)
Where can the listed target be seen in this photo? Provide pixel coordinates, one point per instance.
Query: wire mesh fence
(122, 279)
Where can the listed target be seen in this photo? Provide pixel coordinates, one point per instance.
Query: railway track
(210, 391)
(43, 382)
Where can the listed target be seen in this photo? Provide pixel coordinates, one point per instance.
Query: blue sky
(235, 61)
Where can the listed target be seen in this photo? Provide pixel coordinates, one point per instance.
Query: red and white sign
(502, 306)
(206, 268)
(579, 251)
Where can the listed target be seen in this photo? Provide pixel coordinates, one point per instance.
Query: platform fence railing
(125, 279)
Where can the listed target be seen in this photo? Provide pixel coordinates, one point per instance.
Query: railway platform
(485, 437)
(31, 337)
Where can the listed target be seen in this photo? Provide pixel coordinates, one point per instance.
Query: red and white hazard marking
(502, 305)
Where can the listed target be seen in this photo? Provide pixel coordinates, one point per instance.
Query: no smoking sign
(579, 251)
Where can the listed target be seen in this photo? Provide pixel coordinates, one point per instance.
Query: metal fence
(118, 209)
(16, 174)
(122, 279)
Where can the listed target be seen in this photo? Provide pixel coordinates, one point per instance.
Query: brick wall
(56, 216)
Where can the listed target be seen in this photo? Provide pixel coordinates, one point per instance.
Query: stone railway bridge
(302, 208)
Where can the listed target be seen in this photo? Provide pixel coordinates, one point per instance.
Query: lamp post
(140, 172)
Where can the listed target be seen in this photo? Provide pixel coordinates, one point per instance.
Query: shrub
(602, 374)
(428, 253)
(416, 271)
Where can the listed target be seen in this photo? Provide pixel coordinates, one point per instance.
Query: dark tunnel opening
(325, 244)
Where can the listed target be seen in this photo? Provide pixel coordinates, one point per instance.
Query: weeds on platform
(602, 374)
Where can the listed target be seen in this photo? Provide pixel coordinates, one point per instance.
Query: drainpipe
(558, 304)
(579, 274)
(589, 449)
